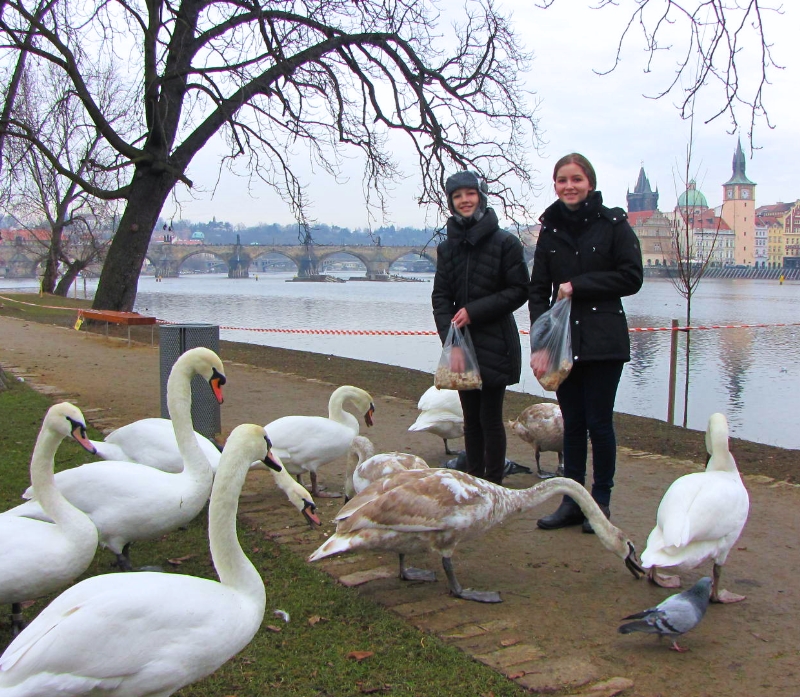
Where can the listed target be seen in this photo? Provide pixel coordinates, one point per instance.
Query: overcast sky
(607, 118)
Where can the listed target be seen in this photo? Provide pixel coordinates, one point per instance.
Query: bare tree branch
(712, 45)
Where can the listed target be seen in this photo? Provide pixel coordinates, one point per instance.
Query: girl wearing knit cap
(481, 278)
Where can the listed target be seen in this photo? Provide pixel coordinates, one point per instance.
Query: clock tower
(739, 210)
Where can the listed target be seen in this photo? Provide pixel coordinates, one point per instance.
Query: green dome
(197, 236)
(692, 198)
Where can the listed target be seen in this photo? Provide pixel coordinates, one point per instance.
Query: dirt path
(563, 593)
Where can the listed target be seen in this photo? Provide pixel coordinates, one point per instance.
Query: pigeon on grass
(674, 616)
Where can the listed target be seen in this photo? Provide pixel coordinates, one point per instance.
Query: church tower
(643, 197)
(739, 210)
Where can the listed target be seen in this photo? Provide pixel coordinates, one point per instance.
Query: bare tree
(274, 78)
(37, 197)
(693, 255)
(10, 94)
(710, 45)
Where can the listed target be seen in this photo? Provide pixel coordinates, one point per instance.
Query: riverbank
(563, 593)
(634, 432)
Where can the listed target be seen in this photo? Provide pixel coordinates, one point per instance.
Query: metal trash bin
(174, 340)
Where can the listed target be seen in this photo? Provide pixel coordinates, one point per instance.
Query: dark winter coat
(596, 250)
(482, 268)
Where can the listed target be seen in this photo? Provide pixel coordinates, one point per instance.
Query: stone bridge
(167, 258)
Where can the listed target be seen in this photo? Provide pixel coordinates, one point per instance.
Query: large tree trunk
(65, 282)
(116, 289)
(50, 270)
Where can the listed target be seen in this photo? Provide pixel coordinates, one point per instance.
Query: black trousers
(586, 399)
(484, 432)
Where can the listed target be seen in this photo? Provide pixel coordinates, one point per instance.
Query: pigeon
(674, 616)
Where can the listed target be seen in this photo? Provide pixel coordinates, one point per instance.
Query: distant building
(651, 226)
(691, 203)
(783, 233)
(791, 236)
(739, 209)
(712, 240)
(643, 198)
(762, 239)
(775, 246)
(655, 233)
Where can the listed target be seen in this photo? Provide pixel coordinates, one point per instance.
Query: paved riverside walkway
(563, 593)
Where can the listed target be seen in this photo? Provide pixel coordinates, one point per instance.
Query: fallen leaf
(509, 642)
(517, 676)
(273, 628)
(360, 655)
(758, 636)
(177, 561)
(314, 619)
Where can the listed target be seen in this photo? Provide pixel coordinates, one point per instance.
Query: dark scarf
(559, 215)
(473, 230)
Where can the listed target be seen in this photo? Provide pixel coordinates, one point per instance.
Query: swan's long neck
(50, 498)
(232, 565)
(359, 452)
(336, 410)
(518, 500)
(179, 403)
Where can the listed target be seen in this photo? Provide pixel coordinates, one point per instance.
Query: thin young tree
(694, 251)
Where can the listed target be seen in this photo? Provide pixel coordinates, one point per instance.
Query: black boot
(587, 526)
(568, 513)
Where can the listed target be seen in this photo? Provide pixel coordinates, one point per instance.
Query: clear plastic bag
(550, 334)
(458, 366)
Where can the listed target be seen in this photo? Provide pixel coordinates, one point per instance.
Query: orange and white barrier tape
(46, 307)
(424, 332)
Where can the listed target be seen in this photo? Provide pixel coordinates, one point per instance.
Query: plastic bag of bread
(550, 335)
(458, 366)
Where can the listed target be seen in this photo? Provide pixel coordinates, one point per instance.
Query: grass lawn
(312, 655)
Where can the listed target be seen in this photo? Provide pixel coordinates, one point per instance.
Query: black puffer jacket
(597, 251)
(482, 268)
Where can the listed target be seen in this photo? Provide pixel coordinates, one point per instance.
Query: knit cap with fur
(467, 179)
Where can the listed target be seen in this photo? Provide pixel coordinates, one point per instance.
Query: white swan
(305, 443)
(151, 442)
(542, 426)
(128, 501)
(38, 557)
(435, 509)
(365, 467)
(700, 516)
(441, 415)
(149, 633)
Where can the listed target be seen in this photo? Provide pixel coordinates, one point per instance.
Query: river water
(750, 374)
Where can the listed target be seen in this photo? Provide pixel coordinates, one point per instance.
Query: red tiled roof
(639, 217)
(25, 235)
